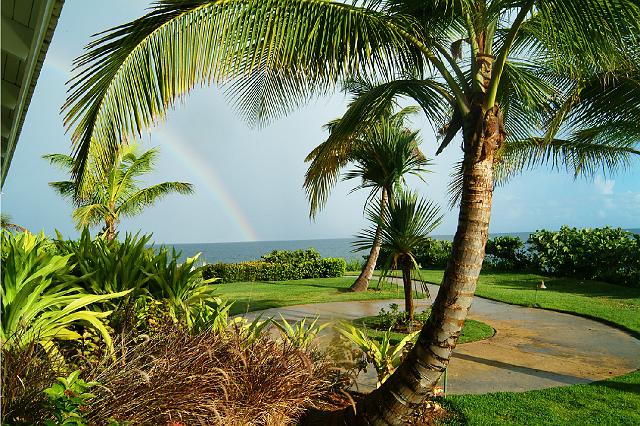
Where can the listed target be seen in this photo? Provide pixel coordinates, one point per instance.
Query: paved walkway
(532, 348)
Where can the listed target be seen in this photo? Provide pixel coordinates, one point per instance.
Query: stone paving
(531, 349)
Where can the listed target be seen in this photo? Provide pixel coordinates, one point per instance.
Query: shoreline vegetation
(151, 293)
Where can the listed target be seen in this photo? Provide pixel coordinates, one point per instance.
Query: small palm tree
(402, 228)
(382, 157)
(119, 194)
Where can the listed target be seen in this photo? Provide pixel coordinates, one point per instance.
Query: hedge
(273, 271)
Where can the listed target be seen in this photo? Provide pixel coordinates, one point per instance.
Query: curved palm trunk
(408, 288)
(362, 282)
(412, 383)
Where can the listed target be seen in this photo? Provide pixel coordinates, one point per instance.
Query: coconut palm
(381, 156)
(6, 222)
(498, 72)
(119, 194)
(402, 228)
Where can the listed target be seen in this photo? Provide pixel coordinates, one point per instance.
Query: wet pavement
(531, 349)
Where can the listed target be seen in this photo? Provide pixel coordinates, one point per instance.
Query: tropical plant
(384, 356)
(110, 266)
(555, 82)
(119, 194)
(179, 286)
(69, 397)
(40, 298)
(404, 227)
(299, 335)
(382, 156)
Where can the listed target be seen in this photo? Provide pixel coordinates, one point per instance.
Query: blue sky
(248, 181)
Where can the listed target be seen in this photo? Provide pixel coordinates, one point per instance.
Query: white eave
(27, 28)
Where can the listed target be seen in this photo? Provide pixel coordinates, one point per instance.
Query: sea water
(243, 251)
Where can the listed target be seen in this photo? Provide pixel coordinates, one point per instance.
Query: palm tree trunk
(412, 383)
(362, 282)
(110, 228)
(408, 289)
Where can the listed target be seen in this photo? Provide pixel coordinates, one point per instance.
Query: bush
(292, 256)
(209, 378)
(506, 253)
(605, 254)
(434, 254)
(26, 372)
(279, 265)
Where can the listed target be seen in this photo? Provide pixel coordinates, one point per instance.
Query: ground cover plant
(394, 323)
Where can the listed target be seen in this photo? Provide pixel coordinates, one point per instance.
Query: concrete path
(532, 348)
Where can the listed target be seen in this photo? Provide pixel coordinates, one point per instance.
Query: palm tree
(400, 230)
(119, 194)
(6, 222)
(553, 74)
(382, 156)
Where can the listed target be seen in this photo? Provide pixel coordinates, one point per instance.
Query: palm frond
(133, 73)
(148, 196)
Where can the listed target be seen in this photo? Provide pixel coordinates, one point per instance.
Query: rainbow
(205, 173)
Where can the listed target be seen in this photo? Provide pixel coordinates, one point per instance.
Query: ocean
(334, 247)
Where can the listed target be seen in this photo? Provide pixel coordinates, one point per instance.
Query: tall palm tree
(382, 157)
(401, 229)
(498, 72)
(119, 194)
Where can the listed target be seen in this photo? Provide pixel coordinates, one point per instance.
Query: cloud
(604, 186)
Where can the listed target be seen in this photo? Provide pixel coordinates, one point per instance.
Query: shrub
(68, 398)
(606, 254)
(506, 253)
(40, 299)
(272, 271)
(434, 254)
(209, 378)
(26, 372)
(292, 256)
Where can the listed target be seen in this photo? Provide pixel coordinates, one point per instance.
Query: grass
(471, 332)
(613, 304)
(254, 296)
(610, 402)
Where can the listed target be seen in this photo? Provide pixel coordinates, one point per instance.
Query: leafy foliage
(299, 335)
(292, 256)
(604, 254)
(69, 399)
(179, 286)
(279, 265)
(40, 300)
(384, 356)
(110, 266)
(434, 254)
(506, 253)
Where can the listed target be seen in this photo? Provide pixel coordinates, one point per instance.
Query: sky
(248, 181)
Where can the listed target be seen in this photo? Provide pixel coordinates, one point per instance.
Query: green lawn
(609, 402)
(614, 304)
(253, 296)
